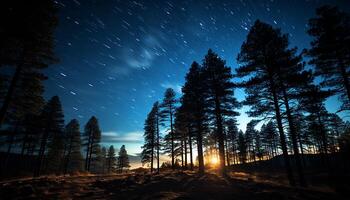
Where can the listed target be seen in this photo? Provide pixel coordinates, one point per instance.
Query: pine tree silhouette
(92, 138)
(262, 87)
(51, 138)
(26, 41)
(73, 156)
(330, 50)
(220, 97)
(123, 160)
(167, 112)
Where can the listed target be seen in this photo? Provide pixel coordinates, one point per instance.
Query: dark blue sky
(117, 57)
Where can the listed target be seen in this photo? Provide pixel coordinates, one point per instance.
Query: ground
(166, 185)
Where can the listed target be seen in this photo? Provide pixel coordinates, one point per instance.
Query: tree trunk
(323, 137)
(185, 144)
(294, 140)
(152, 152)
(64, 157)
(90, 152)
(41, 153)
(10, 92)
(281, 133)
(9, 148)
(233, 151)
(220, 135)
(87, 152)
(227, 153)
(68, 155)
(172, 139)
(190, 143)
(248, 153)
(301, 149)
(182, 154)
(24, 143)
(253, 154)
(199, 148)
(157, 144)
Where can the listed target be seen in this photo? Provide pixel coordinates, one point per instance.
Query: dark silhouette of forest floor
(166, 185)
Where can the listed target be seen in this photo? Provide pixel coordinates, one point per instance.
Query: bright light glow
(214, 160)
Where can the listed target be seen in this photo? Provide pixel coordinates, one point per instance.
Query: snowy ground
(167, 185)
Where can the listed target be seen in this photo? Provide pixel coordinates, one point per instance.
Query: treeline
(29, 126)
(281, 93)
(58, 148)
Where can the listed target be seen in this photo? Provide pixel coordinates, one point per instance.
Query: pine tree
(123, 160)
(249, 136)
(158, 117)
(312, 101)
(181, 132)
(92, 138)
(262, 88)
(111, 160)
(270, 138)
(242, 147)
(98, 159)
(103, 160)
(154, 120)
(190, 144)
(195, 109)
(301, 129)
(171, 146)
(330, 49)
(26, 41)
(337, 124)
(33, 128)
(30, 101)
(232, 136)
(55, 154)
(51, 138)
(220, 96)
(258, 148)
(168, 110)
(290, 79)
(337, 128)
(150, 135)
(27, 102)
(73, 156)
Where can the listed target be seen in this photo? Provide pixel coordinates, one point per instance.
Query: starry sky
(117, 57)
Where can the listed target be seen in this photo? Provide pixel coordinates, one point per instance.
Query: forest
(282, 95)
(291, 139)
(34, 137)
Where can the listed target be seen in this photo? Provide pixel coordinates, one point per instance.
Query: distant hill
(135, 161)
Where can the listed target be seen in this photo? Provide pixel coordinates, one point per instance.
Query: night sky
(118, 57)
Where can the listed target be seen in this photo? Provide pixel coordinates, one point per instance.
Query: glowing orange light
(214, 160)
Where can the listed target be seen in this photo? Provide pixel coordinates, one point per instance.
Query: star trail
(117, 57)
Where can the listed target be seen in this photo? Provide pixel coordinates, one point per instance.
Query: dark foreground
(167, 185)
